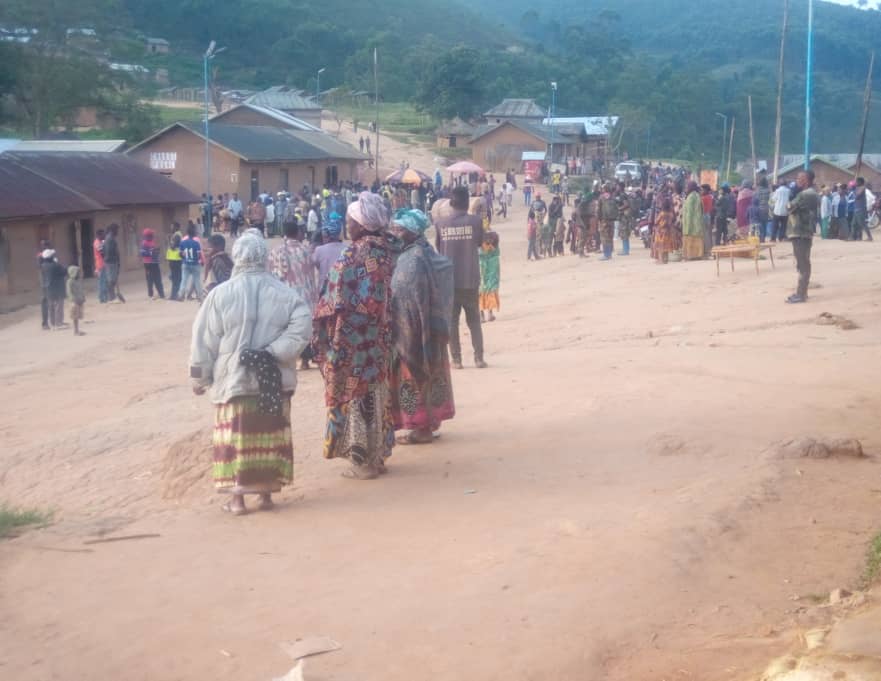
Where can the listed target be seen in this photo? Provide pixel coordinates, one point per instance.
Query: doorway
(255, 184)
(330, 176)
(87, 236)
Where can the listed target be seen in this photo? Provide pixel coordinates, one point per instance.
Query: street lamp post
(210, 53)
(724, 138)
(318, 84)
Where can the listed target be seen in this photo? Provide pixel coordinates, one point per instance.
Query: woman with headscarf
(421, 311)
(246, 340)
(692, 224)
(352, 343)
(744, 203)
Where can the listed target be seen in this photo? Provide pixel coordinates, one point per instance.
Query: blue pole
(809, 82)
(207, 144)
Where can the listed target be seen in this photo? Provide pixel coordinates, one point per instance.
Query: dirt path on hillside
(604, 505)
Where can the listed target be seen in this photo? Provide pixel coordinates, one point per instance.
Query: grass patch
(173, 114)
(873, 562)
(12, 520)
(456, 153)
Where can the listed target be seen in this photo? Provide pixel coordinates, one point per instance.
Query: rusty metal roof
(24, 193)
(106, 179)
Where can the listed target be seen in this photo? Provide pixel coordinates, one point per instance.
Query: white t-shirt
(780, 197)
(509, 188)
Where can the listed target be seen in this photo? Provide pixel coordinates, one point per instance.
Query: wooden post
(752, 138)
(867, 102)
(730, 150)
(779, 124)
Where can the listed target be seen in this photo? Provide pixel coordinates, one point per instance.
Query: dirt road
(603, 506)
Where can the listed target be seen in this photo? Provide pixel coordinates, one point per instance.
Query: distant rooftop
(284, 98)
(516, 108)
(280, 116)
(105, 146)
(594, 126)
(157, 41)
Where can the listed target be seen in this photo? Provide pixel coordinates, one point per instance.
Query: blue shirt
(190, 250)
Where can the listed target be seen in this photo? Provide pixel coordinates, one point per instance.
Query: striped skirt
(253, 452)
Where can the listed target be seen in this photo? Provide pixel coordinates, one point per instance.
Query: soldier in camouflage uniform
(609, 212)
(631, 208)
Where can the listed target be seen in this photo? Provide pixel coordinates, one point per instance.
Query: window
(283, 179)
(255, 184)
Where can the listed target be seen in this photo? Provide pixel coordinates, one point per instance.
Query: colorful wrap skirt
(253, 451)
(362, 429)
(421, 405)
(490, 301)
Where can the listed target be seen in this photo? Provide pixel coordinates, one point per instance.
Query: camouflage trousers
(607, 232)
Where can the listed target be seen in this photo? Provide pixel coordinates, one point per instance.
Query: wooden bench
(742, 251)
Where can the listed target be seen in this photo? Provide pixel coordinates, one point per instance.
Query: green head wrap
(412, 220)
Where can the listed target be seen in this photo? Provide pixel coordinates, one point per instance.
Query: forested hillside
(665, 67)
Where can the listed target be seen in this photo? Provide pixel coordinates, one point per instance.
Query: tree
(452, 84)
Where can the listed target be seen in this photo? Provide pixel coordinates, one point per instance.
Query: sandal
(235, 510)
(412, 439)
(360, 473)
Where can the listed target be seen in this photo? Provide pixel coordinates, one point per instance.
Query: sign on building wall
(163, 160)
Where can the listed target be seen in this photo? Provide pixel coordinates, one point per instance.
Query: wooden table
(743, 250)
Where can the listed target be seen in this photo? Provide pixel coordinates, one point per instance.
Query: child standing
(77, 298)
(172, 255)
(150, 258)
(532, 236)
(560, 236)
(490, 273)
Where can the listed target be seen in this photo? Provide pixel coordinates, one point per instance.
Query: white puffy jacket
(251, 311)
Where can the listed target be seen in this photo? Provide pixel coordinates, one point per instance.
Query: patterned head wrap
(334, 225)
(249, 253)
(412, 220)
(369, 211)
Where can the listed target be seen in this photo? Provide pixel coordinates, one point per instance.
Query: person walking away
(191, 265)
(744, 202)
(246, 354)
(825, 212)
(112, 262)
(352, 343)
(532, 237)
(861, 204)
(235, 212)
(692, 224)
(257, 215)
(150, 259)
(721, 209)
(173, 258)
(218, 265)
(608, 215)
(77, 298)
(780, 201)
(100, 270)
(420, 308)
(761, 206)
(291, 263)
(490, 275)
(527, 194)
(664, 238)
(325, 255)
(803, 210)
(459, 236)
(838, 225)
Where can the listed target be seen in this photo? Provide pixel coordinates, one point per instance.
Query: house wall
(823, 174)
(189, 163)
(872, 177)
(311, 173)
(503, 148)
(20, 239)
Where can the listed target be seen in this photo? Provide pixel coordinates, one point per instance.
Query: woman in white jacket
(246, 340)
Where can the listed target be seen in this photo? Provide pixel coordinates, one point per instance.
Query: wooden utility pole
(867, 102)
(730, 150)
(752, 137)
(779, 123)
(376, 93)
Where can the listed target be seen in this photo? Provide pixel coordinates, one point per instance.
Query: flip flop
(357, 474)
(238, 510)
(410, 439)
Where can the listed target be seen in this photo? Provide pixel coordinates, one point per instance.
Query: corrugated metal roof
(516, 108)
(264, 143)
(594, 126)
(24, 193)
(789, 167)
(70, 145)
(284, 98)
(108, 179)
(276, 114)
